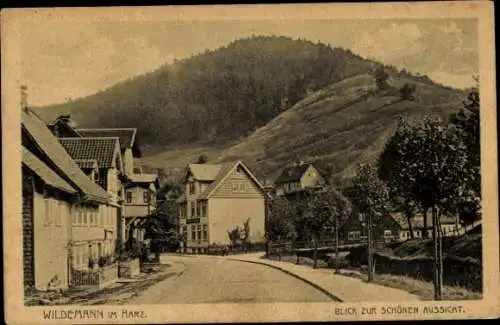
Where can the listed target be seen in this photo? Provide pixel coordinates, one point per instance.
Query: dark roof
(100, 149)
(62, 128)
(126, 135)
(59, 157)
(292, 173)
(43, 171)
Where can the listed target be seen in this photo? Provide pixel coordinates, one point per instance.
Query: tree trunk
(440, 253)
(437, 262)
(370, 249)
(409, 216)
(426, 226)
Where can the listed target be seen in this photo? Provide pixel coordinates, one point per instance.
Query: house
(106, 153)
(449, 226)
(217, 199)
(140, 188)
(140, 202)
(354, 228)
(129, 151)
(298, 178)
(64, 227)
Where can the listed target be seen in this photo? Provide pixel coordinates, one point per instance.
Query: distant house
(64, 225)
(217, 199)
(140, 202)
(355, 229)
(297, 178)
(449, 226)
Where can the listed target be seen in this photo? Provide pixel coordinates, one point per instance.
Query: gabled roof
(225, 170)
(126, 135)
(59, 157)
(216, 174)
(204, 172)
(45, 173)
(292, 173)
(100, 149)
(87, 163)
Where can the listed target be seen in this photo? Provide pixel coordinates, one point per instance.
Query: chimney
(24, 97)
(65, 118)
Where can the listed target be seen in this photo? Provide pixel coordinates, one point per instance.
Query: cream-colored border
(12, 232)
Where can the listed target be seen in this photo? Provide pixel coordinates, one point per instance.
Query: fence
(95, 277)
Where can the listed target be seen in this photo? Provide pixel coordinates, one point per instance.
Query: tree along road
(216, 280)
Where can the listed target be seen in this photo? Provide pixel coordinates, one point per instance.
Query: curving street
(217, 280)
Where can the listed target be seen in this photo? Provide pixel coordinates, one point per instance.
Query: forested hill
(216, 96)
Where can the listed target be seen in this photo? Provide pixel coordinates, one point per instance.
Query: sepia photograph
(218, 163)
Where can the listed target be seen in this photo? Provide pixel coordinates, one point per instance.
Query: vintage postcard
(250, 163)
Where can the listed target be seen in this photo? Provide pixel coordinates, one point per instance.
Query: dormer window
(192, 188)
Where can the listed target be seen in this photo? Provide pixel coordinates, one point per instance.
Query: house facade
(139, 196)
(105, 152)
(60, 204)
(394, 227)
(449, 226)
(216, 200)
(140, 202)
(297, 178)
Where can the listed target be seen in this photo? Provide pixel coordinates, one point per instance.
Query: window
(235, 187)
(353, 235)
(203, 209)
(387, 233)
(199, 231)
(205, 232)
(184, 232)
(145, 195)
(193, 233)
(192, 188)
(242, 187)
(198, 208)
(129, 197)
(193, 207)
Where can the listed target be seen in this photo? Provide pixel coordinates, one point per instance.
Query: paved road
(212, 280)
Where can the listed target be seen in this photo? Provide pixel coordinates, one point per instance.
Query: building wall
(51, 237)
(128, 161)
(28, 229)
(137, 207)
(113, 184)
(224, 214)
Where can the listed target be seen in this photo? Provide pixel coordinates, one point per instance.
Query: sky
(64, 60)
